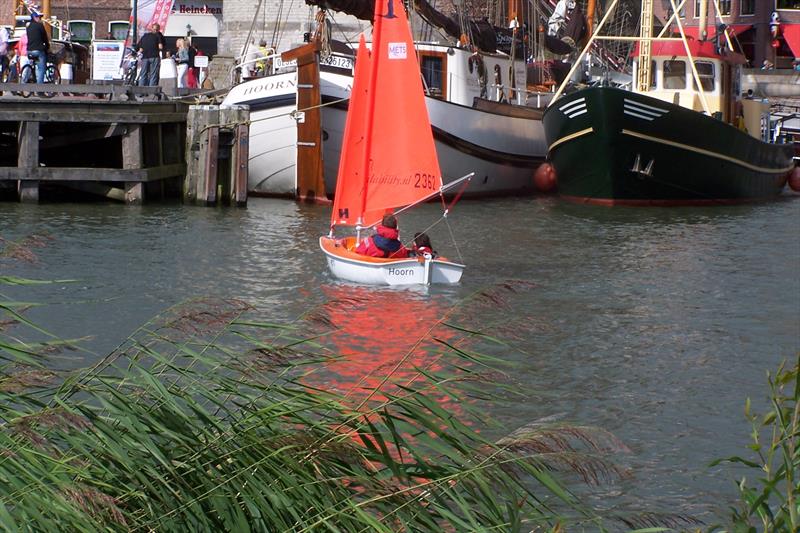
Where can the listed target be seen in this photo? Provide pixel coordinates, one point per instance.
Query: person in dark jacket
(422, 246)
(151, 45)
(385, 242)
(38, 44)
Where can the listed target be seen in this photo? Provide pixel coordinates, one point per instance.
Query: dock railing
(110, 92)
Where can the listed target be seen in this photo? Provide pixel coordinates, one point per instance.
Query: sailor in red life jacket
(385, 242)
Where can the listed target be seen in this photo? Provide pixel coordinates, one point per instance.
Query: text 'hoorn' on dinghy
(388, 161)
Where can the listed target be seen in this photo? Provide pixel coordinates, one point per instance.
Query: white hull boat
(502, 143)
(347, 265)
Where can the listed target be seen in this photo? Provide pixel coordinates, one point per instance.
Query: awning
(711, 30)
(791, 34)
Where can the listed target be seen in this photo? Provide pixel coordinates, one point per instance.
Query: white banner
(106, 60)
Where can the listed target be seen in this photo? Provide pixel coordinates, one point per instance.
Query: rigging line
(453, 239)
(252, 121)
(250, 32)
(425, 230)
(350, 40)
(285, 22)
(274, 38)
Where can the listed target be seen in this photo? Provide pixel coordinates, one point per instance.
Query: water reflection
(654, 324)
(384, 340)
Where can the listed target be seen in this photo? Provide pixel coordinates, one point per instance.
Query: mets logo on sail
(398, 51)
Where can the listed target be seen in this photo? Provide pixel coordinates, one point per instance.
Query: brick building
(101, 12)
(765, 29)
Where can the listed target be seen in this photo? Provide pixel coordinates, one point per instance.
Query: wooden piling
(235, 118)
(28, 160)
(310, 181)
(216, 155)
(133, 157)
(202, 129)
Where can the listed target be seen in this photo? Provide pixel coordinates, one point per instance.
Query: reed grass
(770, 496)
(208, 419)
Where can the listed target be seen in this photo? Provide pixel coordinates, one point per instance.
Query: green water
(655, 324)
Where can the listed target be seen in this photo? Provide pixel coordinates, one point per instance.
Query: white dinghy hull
(347, 265)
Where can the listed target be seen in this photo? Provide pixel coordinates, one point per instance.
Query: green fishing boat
(682, 136)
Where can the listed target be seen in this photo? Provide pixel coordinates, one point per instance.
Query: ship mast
(645, 75)
(703, 19)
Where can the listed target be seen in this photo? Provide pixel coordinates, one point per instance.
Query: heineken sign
(197, 8)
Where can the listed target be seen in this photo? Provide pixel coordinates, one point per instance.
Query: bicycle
(51, 75)
(131, 68)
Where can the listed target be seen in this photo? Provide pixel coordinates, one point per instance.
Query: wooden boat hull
(345, 264)
(611, 146)
(503, 146)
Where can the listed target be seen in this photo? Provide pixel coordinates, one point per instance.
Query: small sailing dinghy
(388, 160)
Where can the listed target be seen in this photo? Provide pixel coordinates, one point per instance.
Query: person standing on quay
(150, 45)
(182, 60)
(38, 44)
(3, 53)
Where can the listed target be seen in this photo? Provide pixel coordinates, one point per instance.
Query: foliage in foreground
(772, 503)
(205, 420)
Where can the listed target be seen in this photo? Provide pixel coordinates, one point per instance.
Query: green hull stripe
(570, 137)
(707, 152)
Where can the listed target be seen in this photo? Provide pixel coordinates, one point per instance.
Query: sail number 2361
(424, 181)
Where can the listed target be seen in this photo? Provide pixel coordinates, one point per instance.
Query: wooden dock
(107, 140)
(120, 142)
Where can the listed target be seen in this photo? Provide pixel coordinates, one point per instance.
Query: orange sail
(389, 158)
(347, 204)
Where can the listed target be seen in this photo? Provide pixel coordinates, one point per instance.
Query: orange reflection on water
(384, 338)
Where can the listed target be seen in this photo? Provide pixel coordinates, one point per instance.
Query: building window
(118, 29)
(82, 31)
(748, 7)
(674, 75)
(724, 6)
(667, 6)
(787, 4)
(705, 71)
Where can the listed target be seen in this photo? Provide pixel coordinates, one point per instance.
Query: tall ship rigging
(483, 116)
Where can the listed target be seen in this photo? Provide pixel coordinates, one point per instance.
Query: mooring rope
(292, 113)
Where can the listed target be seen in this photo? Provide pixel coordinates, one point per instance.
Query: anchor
(646, 171)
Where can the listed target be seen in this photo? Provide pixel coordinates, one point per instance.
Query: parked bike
(131, 66)
(51, 75)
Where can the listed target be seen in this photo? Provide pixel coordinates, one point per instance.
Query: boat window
(674, 74)
(653, 74)
(432, 73)
(706, 72)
